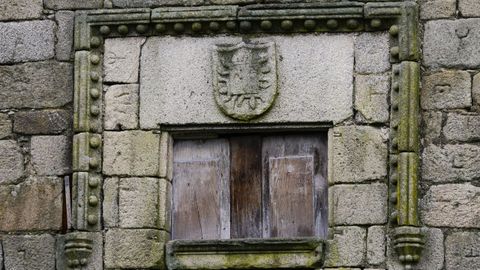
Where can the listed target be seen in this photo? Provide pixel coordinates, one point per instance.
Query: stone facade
(352, 92)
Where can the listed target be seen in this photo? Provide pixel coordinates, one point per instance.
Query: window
(250, 186)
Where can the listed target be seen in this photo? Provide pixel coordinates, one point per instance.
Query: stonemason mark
(244, 78)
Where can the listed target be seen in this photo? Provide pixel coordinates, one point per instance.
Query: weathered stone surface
(155, 3)
(110, 201)
(135, 248)
(358, 153)
(51, 155)
(133, 153)
(36, 85)
(29, 252)
(449, 89)
(372, 53)
(1, 255)
(20, 9)
(452, 43)
(11, 162)
(376, 245)
(121, 107)
(73, 4)
(462, 127)
(452, 205)
(451, 163)
(371, 93)
(26, 41)
(347, 247)
(42, 122)
(315, 80)
(432, 126)
(476, 91)
(35, 204)
(64, 46)
(370, 202)
(432, 256)
(469, 8)
(5, 126)
(122, 59)
(95, 260)
(462, 250)
(437, 9)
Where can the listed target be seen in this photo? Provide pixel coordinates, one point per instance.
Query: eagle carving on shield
(244, 78)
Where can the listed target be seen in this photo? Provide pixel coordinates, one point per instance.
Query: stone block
(20, 9)
(73, 4)
(5, 126)
(432, 122)
(462, 251)
(11, 163)
(371, 93)
(155, 3)
(357, 153)
(372, 53)
(122, 59)
(449, 89)
(135, 248)
(452, 205)
(51, 155)
(376, 245)
(469, 8)
(437, 9)
(314, 80)
(36, 85)
(451, 163)
(370, 202)
(64, 46)
(110, 202)
(42, 122)
(26, 41)
(35, 204)
(95, 261)
(452, 43)
(133, 153)
(121, 107)
(476, 91)
(29, 252)
(462, 127)
(347, 248)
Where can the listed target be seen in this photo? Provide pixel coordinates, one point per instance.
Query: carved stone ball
(122, 29)
(332, 24)
(196, 27)
(214, 26)
(179, 27)
(266, 25)
(245, 26)
(93, 182)
(95, 42)
(286, 25)
(394, 30)
(231, 25)
(141, 28)
(310, 24)
(352, 24)
(94, 93)
(105, 30)
(160, 27)
(376, 23)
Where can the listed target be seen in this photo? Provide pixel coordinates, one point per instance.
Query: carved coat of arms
(244, 78)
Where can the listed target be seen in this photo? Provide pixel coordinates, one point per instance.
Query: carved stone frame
(399, 18)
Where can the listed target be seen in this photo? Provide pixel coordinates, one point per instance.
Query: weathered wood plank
(246, 187)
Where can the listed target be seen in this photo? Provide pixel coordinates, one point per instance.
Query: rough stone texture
(26, 41)
(462, 127)
(358, 153)
(5, 126)
(64, 46)
(371, 93)
(451, 163)
(36, 85)
(35, 204)
(347, 247)
(110, 202)
(155, 3)
(121, 107)
(95, 261)
(476, 91)
(432, 256)
(370, 202)
(29, 252)
(122, 59)
(73, 4)
(20, 9)
(132, 153)
(315, 80)
(469, 8)
(11, 162)
(452, 43)
(1, 256)
(376, 245)
(51, 155)
(437, 9)
(42, 122)
(452, 205)
(134, 248)
(372, 53)
(462, 250)
(432, 128)
(449, 89)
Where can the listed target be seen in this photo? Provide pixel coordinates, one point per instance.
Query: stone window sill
(273, 253)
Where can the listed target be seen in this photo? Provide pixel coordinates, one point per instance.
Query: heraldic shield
(244, 78)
